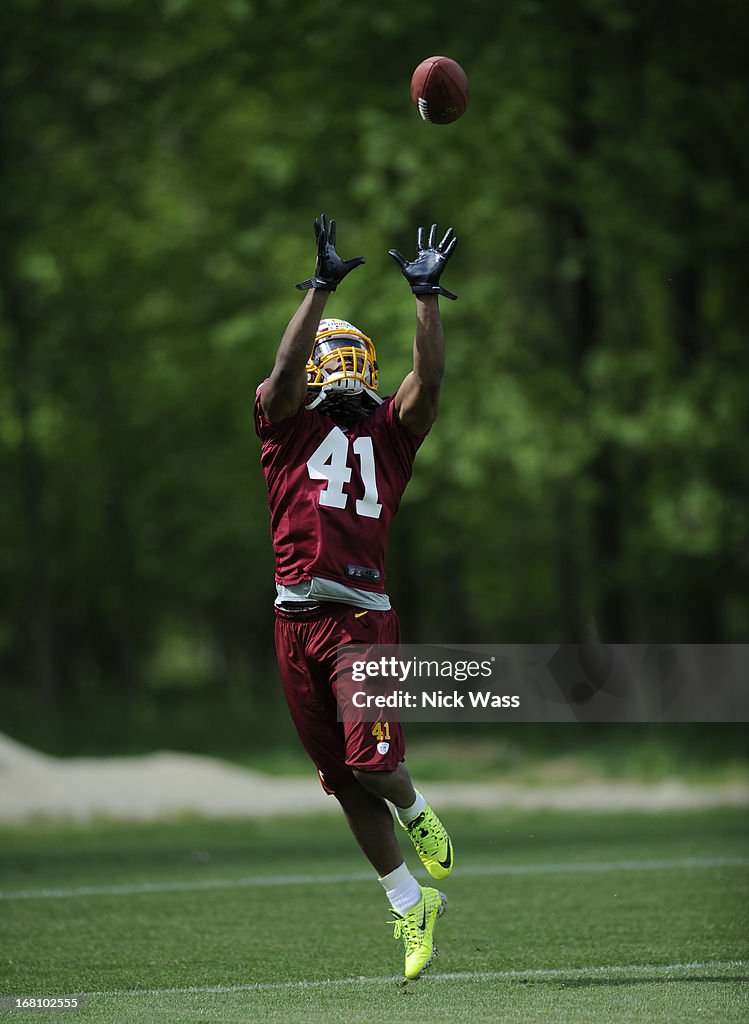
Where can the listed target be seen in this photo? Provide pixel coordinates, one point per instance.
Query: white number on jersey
(329, 461)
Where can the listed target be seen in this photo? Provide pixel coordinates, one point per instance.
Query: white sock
(407, 814)
(401, 889)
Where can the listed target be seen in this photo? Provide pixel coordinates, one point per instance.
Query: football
(439, 88)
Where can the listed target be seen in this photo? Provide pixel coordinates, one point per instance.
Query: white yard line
(477, 871)
(571, 973)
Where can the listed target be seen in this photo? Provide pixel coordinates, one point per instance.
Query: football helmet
(343, 361)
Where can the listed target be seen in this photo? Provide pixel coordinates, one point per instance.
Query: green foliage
(161, 166)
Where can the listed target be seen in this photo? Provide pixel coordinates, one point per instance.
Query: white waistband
(318, 589)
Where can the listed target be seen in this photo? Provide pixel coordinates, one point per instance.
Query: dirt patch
(166, 785)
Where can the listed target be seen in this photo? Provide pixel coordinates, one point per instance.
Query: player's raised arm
(285, 389)
(417, 399)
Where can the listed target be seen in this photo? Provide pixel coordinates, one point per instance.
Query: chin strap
(315, 401)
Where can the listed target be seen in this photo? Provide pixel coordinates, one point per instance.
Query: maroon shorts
(307, 646)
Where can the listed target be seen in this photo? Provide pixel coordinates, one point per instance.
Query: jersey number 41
(330, 461)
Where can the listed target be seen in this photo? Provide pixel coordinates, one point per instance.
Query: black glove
(424, 273)
(330, 269)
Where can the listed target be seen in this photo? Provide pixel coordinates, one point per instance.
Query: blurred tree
(161, 166)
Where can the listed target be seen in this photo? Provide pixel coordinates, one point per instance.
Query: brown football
(439, 88)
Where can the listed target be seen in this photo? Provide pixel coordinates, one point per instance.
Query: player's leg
(429, 836)
(313, 710)
(415, 909)
(306, 655)
(375, 752)
(394, 786)
(310, 701)
(371, 823)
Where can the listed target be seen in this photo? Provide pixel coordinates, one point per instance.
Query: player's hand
(423, 273)
(330, 269)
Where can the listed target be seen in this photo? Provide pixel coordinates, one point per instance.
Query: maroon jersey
(332, 495)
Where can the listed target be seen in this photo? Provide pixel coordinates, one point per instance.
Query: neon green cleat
(431, 842)
(416, 928)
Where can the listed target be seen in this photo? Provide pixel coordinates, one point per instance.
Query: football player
(337, 458)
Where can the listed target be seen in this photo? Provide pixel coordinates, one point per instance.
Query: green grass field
(551, 918)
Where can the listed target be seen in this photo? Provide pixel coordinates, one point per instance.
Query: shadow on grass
(635, 980)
